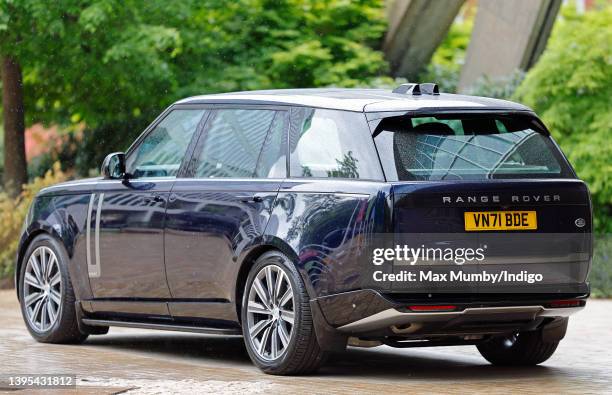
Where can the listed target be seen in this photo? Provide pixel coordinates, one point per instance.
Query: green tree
(258, 44)
(114, 65)
(63, 62)
(571, 88)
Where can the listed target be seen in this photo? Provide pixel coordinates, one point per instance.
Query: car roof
(361, 100)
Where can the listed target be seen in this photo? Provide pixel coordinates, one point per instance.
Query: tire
(520, 349)
(297, 349)
(61, 326)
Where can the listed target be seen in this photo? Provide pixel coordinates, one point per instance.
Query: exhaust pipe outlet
(404, 329)
(357, 342)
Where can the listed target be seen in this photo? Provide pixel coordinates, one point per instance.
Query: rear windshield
(466, 147)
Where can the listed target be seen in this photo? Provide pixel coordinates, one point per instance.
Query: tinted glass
(233, 145)
(333, 144)
(273, 158)
(466, 147)
(160, 153)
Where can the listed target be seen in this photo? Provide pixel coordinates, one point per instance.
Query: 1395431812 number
(40, 380)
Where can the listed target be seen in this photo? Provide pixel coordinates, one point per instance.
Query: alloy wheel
(270, 313)
(42, 289)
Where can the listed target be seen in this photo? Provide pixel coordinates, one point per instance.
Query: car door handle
(250, 198)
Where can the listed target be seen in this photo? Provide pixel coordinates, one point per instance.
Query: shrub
(1, 152)
(497, 87)
(13, 213)
(570, 88)
(601, 271)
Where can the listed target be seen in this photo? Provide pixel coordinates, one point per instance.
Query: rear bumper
(368, 313)
(488, 319)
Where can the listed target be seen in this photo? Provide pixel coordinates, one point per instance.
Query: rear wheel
(518, 349)
(276, 318)
(46, 295)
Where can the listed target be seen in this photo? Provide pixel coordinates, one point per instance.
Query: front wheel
(276, 318)
(45, 293)
(518, 349)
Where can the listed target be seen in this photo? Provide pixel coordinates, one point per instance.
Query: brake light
(565, 303)
(432, 308)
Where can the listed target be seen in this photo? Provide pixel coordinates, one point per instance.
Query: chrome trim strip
(97, 237)
(209, 179)
(389, 317)
(103, 181)
(69, 184)
(90, 268)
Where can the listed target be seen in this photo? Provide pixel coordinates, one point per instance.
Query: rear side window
(458, 147)
(333, 144)
(243, 143)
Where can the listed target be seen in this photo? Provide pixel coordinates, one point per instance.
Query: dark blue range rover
(295, 219)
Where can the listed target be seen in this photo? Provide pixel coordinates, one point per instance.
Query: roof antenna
(418, 89)
(429, 88)
(406, 89)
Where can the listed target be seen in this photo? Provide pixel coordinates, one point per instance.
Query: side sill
(164, 327)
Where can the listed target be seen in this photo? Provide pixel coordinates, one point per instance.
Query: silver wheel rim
(42, 289)
(270, 313)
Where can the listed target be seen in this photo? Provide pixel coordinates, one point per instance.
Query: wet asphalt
(159, 362)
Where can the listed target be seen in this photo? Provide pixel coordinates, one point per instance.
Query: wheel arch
(327, 337)
(249, 260)
(24, 245)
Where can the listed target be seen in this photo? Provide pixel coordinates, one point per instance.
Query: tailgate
(521, 229)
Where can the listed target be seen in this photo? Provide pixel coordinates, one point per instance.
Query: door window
(161, 152)
(243, 143)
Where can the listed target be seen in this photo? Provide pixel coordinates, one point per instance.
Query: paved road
(158, 362)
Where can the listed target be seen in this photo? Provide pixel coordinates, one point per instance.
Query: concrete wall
(416, 28)
(507, 35)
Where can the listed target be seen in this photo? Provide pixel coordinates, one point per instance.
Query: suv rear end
(487, 238)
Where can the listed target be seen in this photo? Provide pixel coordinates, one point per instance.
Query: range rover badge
(580, 222)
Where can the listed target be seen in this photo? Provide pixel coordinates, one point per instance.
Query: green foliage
(13, 213)
(601, 271)
(115, 64)
(571, 88)
(253, 44)
(499, 87)
(1, 151)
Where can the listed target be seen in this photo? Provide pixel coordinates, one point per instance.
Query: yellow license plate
(500, 220)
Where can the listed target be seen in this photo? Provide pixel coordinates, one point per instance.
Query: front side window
(161, 151)
(243, 143)
(467, 147)
(333, 144)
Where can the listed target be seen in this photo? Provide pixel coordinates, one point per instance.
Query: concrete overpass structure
(507, 35)
(416, 28)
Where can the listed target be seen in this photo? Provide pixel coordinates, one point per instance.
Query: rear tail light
(566, 303)
(432, 308)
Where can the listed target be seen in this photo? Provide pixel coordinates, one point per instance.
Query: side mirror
(113, 166)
